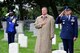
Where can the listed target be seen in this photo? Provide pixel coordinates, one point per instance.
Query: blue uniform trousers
(11, 37)
(68, 45)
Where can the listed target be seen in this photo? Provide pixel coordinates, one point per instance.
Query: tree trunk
(54, 8)
(0, 24)
(0, 17)
(21, 12)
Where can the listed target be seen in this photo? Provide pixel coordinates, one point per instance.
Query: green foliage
(3, 11)
(34, 12)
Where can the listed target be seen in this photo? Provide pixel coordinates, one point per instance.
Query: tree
(74, 4)
(48, 3)
(54, 9)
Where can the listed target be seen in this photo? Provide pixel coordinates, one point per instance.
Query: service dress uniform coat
(69, 26)
(46, 32)
(69, 31)
(11, 27)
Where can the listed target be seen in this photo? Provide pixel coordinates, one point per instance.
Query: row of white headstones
(23, 40)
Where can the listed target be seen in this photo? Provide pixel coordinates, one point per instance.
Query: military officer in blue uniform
(69, 32)
(11, 26)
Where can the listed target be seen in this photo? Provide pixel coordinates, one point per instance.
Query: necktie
(68, 17)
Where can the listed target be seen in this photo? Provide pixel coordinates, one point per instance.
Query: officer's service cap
(67, 8)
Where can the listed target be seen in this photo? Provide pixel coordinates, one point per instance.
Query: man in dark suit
(11, 26)
(69, 32)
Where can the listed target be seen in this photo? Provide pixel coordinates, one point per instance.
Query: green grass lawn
(31, 43)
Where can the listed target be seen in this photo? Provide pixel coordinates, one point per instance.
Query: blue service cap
(67, 8)
(11, 11)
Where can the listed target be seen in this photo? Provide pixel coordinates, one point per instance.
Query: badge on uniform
(63, 21)
(72, 20)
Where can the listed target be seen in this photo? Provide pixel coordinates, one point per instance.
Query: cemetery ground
(31, 43)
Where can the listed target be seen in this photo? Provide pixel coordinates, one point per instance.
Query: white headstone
(13, 48)
(35, 31)
(23, 40)
(56, 26)
(32, 27)
(59, 51)
(19, 28)
(61, 46)
(4, 28)
(60, 26)
(78, 23)
(54, 40)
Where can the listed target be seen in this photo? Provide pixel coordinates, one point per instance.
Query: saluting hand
(61, 14)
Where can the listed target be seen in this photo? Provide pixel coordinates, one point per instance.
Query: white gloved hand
(14, 20)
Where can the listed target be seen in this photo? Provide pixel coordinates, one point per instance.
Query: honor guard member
(69, 32)
(11, 26)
